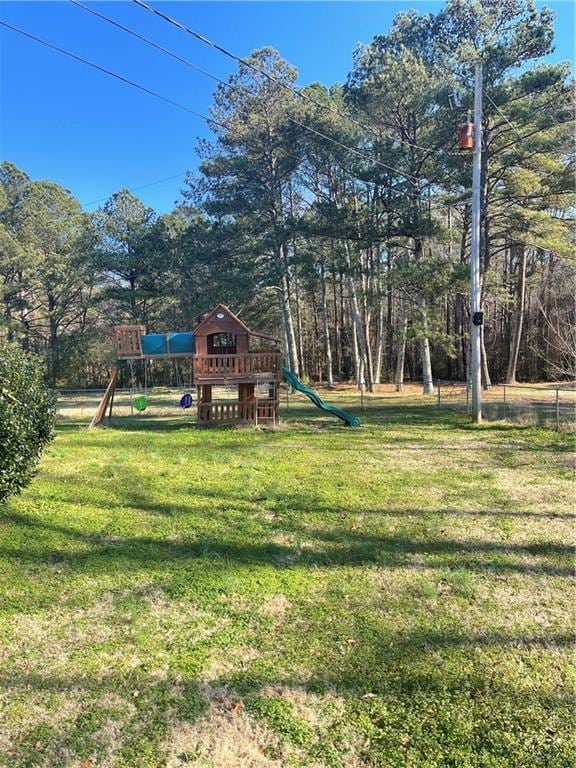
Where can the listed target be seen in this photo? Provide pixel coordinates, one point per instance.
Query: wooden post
(206, 397)
(246, 398)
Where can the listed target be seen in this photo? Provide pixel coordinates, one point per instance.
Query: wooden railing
(233, 411)
(235, 366)
(128, 340)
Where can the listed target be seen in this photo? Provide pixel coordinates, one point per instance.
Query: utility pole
(475, 306)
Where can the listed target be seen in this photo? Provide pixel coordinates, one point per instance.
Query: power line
(232, 87)
(228, 85)
(121, 78)
(150, 42)
(243, 88)
(271, 78)
(142, 88)
(353, 150)
(187, 109)
(136, 189)
(111, 74)
(514, 128)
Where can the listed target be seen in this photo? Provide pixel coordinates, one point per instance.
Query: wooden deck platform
(212, 368)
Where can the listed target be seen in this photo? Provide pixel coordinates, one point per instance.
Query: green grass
(398, 595)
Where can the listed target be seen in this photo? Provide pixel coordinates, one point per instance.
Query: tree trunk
(300, 344)
(358, 369)
(402, 334)
(54, 362)
(367, 316)
(286, 343)
(357, 321)
(344, 369)
(461, 318)
(518, 316)
(427, 381)
(486, 381)
(8, 316)
(428, 384)
(337, 328)
(389, 313)
(379, 344)
(325, 326)
(484, 241)
(133, 308)
(292, 356)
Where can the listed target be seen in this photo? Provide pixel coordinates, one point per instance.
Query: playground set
(220, 348)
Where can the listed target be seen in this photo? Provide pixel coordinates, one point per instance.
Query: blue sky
(63, 121)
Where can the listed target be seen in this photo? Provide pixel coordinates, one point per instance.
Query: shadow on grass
(152, 424)
(301, 414)
(323, 548)
(136, 492)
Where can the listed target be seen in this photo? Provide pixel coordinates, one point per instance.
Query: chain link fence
(545, 405)
(542, 405)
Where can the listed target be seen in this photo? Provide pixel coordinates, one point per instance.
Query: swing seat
(186, 401)
(141, 403)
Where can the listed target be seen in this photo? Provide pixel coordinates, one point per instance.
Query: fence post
(557, 410)
(439, 395)
(504, 388)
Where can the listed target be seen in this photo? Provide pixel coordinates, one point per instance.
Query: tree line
(337, 216)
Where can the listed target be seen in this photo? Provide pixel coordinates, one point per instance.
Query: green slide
(294, 381)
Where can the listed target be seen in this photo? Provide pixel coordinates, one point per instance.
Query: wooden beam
(98, 417)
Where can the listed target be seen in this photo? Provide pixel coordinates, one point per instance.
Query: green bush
(27, 413)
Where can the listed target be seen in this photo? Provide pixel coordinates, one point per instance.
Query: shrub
(27, 413)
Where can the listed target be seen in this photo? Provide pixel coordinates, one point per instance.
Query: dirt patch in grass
(542, 493)
(224, 737)
(275, 606)
(224, 662)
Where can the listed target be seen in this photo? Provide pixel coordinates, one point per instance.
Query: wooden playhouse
(225, 358)
(236, 371)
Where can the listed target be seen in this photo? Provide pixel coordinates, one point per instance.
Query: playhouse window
(220, 340)
(222, 344)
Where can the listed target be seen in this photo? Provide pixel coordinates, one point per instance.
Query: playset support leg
(204, 396)
(247, 405)
(101, 412)
(111, 406)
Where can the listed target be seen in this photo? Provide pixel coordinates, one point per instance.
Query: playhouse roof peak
(220, 313)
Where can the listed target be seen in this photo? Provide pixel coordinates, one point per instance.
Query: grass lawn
(399, 595)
